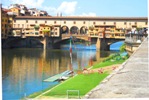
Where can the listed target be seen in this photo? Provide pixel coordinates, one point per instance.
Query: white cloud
(88, 14)
(67, 8)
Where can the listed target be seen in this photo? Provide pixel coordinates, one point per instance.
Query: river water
(24, 69)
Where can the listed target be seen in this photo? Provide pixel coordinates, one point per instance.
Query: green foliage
(45, 30)
(117, 59)
(122, 48)
(109, 63)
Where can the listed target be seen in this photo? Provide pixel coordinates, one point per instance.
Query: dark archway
(64, 30)
(74, 30)
(22, 43)
(83, 30)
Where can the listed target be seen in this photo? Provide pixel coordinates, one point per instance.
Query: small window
(114, 23)
(45, 21)
(94, 23)
(14, 21)
(36, 33)
(130, 23)
(84, 22)
(54, 22)
(146, 23)
(18, 25)
(26, 21)
(64, 22)
(22, 25)
(125, 23)
(135, 23)
(104, 23)
(74, 22)
(36, 21)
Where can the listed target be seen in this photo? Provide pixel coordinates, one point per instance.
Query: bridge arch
(74, 30)
(83, 30)
(64, 29)
(58, 43)
(114, 44)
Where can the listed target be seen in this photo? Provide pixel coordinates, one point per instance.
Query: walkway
(130, 80)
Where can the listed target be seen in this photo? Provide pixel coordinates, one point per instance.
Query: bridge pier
(102, 44)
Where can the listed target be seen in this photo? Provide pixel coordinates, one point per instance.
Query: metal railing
(135, 38)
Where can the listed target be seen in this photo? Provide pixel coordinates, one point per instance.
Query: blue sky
(122, 8)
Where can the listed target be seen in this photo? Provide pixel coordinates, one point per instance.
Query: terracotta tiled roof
(81, 18)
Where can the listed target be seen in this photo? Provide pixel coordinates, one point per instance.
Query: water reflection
(25, 69)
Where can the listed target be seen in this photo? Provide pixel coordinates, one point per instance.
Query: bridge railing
(135, 38)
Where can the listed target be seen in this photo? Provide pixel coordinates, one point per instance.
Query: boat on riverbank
(58, 77)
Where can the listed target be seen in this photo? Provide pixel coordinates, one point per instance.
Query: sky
(108, 8)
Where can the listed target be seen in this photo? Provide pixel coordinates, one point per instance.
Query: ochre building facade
(92, 26)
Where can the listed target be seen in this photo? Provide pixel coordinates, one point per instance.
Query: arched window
(83, 30)
(64, 30)
(74, 30)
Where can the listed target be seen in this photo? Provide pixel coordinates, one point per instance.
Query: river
(24, 69)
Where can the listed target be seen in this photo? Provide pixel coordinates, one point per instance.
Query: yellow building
(92, 26)
(15, 10)
(45, 29)
(5, 23)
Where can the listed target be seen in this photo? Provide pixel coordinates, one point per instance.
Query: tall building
(5, 23)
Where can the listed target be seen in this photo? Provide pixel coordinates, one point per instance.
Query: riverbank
(88, 81)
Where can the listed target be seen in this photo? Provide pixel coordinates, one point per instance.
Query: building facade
(6, 25)
(93, 26)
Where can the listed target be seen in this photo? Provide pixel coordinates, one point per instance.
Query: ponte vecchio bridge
(49, 31)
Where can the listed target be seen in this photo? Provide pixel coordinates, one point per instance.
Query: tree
(122, 48)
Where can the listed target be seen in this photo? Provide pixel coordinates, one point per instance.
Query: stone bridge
(102, 42)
